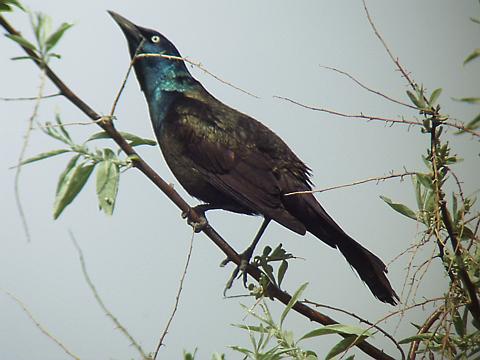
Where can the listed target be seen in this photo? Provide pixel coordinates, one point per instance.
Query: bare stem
(177, 298)
(39, 325)
(377, 179)
(100, 302)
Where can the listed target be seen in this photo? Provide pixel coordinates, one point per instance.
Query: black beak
(132, 32)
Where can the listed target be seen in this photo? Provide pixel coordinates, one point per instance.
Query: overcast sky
(136, 257)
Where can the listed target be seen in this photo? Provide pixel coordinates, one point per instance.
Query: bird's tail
(368, 266)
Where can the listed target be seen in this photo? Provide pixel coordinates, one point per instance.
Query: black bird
(231, 161)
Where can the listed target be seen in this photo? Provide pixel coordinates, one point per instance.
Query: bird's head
(156, 60)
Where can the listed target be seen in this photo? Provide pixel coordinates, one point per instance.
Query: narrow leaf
(282, 269)
(337, 329)
(71, 186)
(133, 139)
(425, 336)
(343, 345)
(293, 301)
(402, 209)
(56, 36)
(65, 133)
(472, 56)
(470, 100)
(434, 97)
(44, 155)
(22, 41)
(413, 99)
(108, 176)
(425, 180)
(63, 175)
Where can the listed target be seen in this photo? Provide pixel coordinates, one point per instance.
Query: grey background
(136, 257)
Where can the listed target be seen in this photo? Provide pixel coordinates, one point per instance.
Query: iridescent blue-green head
(157, 75)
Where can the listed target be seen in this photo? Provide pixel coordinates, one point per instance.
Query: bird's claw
(239, 271)
(197, 226)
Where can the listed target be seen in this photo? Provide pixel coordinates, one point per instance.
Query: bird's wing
(227, 155)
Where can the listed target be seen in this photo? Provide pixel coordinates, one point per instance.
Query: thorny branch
(40, 326)
(377, 179)
(100, 302)
(107, 125)
(177, 298)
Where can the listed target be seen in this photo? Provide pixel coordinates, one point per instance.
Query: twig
(402, 353)
(124, 82)
(358, 182)
(376, 118)
(412, 353)
(177, 299)
(200, 66)
(29, 98)
(26, 138)
(394, 59)
(39, 325)
(356, 116)
(100, 302)
(81, 123)
(170, 192)
(376, 92)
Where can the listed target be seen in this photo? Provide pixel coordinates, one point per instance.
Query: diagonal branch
(106, 124)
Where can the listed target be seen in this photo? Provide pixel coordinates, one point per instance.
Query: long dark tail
(368, 266)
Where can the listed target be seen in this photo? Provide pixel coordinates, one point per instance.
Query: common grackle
(231, 161)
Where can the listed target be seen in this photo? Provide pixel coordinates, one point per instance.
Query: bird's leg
(245, 258)
(200, 210)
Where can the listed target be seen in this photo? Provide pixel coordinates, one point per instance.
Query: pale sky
(136, 257)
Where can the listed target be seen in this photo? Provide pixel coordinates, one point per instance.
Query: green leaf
(282, 269)
(470, 100)
(71, 184)
(472, 56)
(293, 301)
(56, 36)
(337, 329)
(108, 176)
(425, 180)
(425, 336)
(434, 97)
(402, 209)
(474, 124)
(343, 345)
(21, 58)
(65, 133)
(22, 41)
(44, 155)
(413, 99)
(68, 168)
(5, 5)
(133, 139)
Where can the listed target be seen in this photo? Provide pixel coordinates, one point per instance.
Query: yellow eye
(155, 39)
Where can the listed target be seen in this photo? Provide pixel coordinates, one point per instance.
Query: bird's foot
(197, 226)
(240, 270)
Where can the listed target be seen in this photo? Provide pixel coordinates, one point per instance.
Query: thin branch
(35, 98)
(376, 92)
(100, 302)
(412, 353)
(170, 192)
(39, 325)
(362, 320)
(200, 66)
(377, 179)
(21, 156)
(177, 299)
(388, 121)
(356, 116)
(390, 54)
